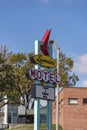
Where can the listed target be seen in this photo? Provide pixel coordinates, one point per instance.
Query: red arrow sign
(45, 39)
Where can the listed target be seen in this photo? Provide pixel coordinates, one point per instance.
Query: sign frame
(43, 92)
(43, 60)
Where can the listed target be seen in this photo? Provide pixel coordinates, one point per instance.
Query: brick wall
(72, 111)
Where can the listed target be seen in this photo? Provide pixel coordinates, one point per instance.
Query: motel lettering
(42, 75)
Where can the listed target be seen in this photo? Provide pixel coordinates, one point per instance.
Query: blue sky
(24, 21)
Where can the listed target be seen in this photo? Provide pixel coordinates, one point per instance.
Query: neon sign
(42, 75)
(43, 60)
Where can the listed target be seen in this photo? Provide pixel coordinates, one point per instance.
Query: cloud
(84, 83)
(80, 64)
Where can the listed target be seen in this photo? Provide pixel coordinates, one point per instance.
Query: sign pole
(49, 105)
(43, 57)
(57, 91)
(57, 94)
(37, 101)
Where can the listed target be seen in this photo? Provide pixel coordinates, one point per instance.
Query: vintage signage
(42, 92)
(43, 60)
(42, 75)
(45, 41)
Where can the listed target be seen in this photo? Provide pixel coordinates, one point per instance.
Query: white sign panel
(43, 92)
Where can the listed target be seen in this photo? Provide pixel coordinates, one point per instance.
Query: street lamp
(57, 91)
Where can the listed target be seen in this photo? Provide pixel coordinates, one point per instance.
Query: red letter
(51, 77)
(39, 75)
(45, 76)
(57, 78)
(32, 72)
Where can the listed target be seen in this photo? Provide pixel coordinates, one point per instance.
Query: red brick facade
(72, 109)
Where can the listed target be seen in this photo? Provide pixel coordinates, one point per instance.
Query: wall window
(73, 101)
(84, 101)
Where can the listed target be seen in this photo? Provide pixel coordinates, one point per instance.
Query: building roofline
(62, 88)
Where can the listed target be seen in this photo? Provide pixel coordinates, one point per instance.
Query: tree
(13, 75)
(20, 63)
(7, 81)
(68, 78)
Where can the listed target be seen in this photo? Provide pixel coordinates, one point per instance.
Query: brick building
(72, 108)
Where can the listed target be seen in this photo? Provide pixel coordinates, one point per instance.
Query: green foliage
(65, 71)
(7, 81)
(13, 81)
(20, 63)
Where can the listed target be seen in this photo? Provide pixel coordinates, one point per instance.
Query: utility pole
(57, 93)
(57, 89)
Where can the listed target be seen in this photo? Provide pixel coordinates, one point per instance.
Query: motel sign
(42, 75)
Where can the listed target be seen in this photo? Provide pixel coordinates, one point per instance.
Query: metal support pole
(36, 115)
(37, 101)
(57, 89)
(49, 104)
(57, 94)
(49, 115)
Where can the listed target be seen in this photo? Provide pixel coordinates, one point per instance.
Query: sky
(24, 21)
